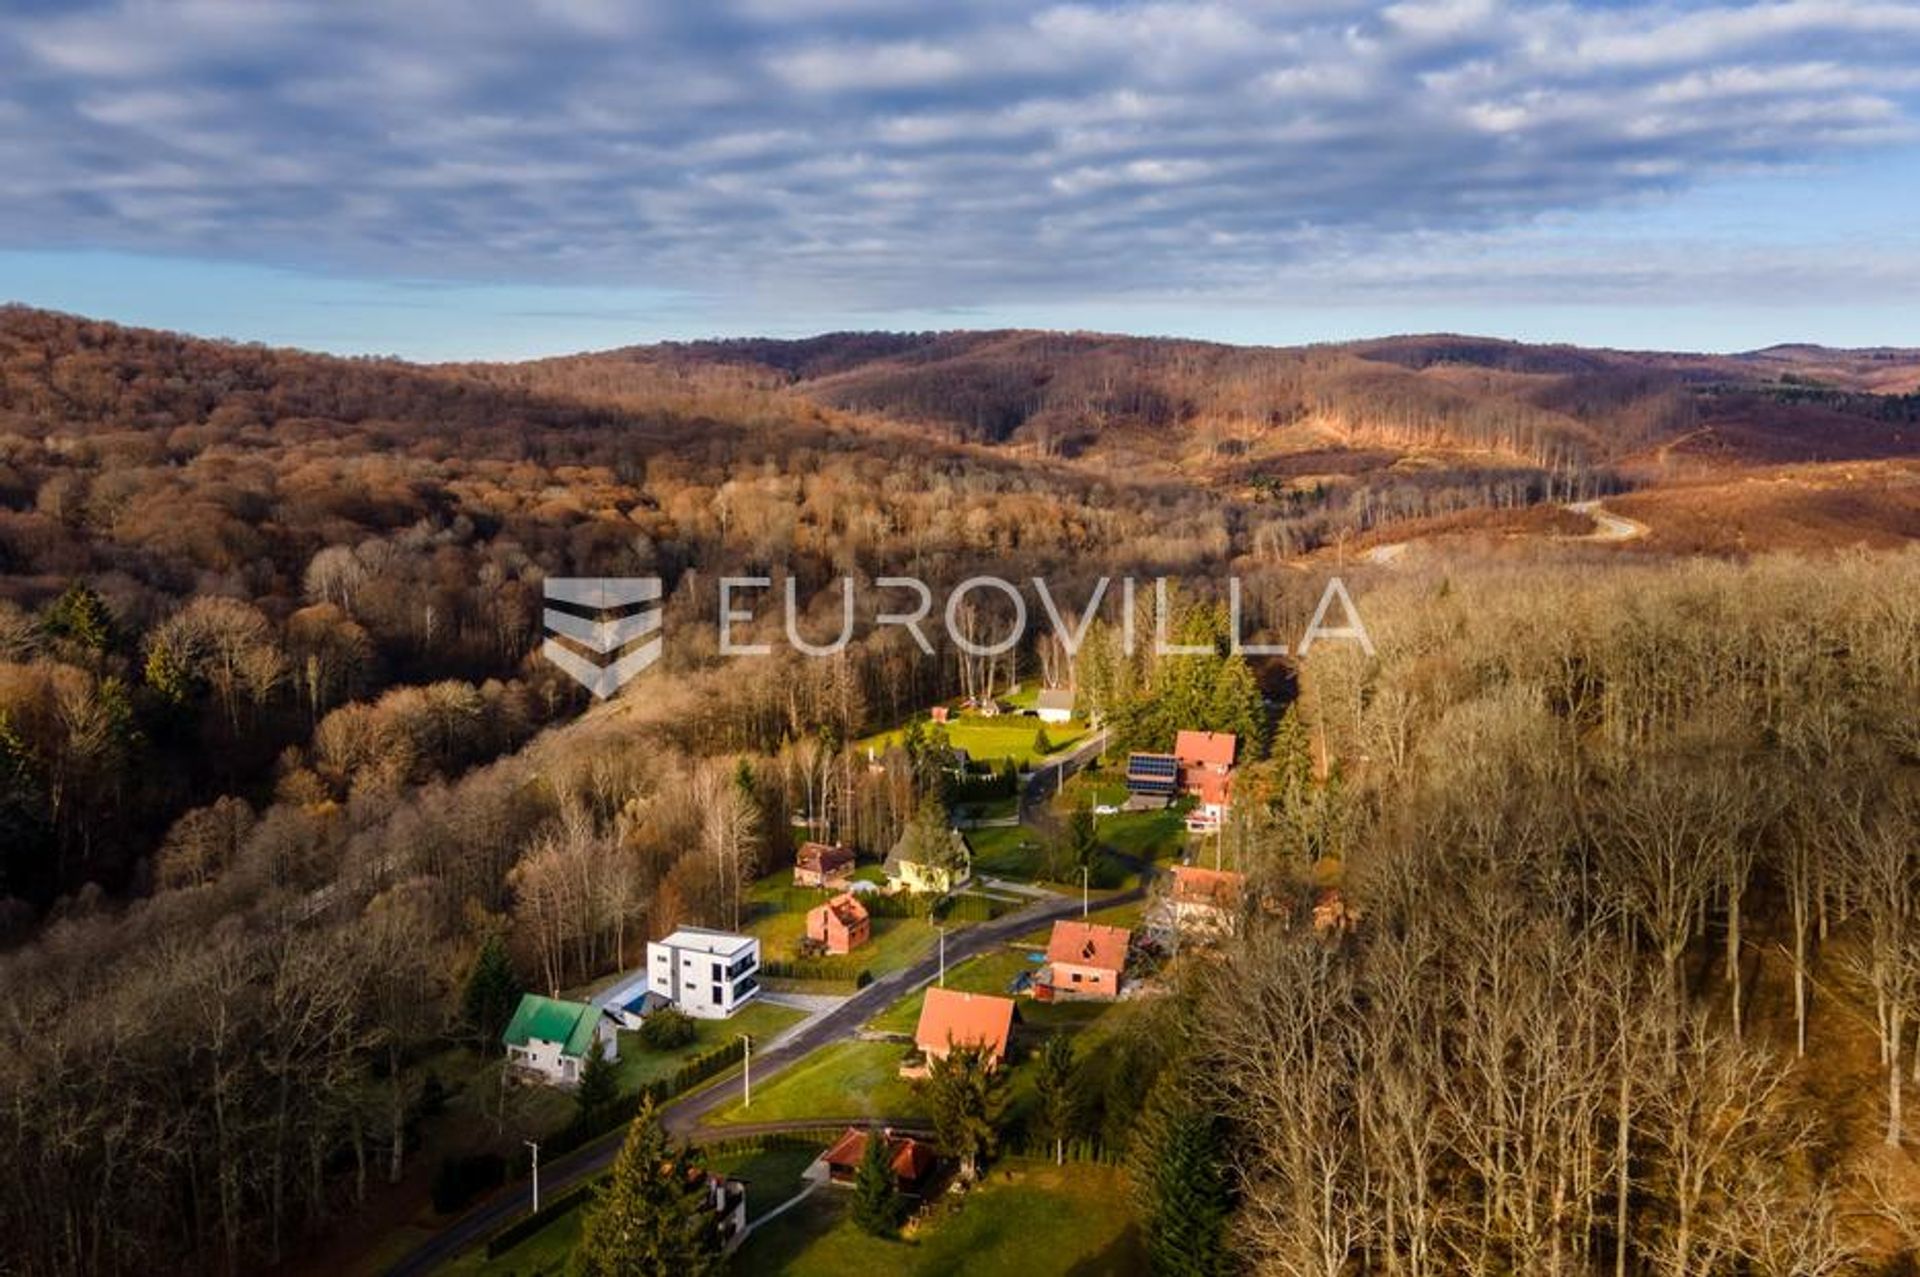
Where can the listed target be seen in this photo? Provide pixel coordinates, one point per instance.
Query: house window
(718, 1000)
(1076, 977)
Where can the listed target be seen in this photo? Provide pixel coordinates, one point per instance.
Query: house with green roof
(552, 1037)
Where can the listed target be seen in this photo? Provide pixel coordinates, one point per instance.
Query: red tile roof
(1215, 788)
(912, 1160)
(1088, 944)
(1221, 888)
(1205, 749)
(823, 857)
(846, 908)
(952, 1018)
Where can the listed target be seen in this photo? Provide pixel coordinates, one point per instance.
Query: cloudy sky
(444, 178)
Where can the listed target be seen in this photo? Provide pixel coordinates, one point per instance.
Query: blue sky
(446, 179)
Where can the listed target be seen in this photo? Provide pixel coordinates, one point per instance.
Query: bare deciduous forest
(1631, 836)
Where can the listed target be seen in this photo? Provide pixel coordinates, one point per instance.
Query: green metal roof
(552, 1020)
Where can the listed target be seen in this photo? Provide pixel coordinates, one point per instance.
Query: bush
(668, 1029)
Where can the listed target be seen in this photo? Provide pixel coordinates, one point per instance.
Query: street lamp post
(746, 1070)
(536, 1174)
(943, 956)
(1085, 871)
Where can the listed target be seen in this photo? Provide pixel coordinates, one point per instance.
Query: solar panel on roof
(1156, 775)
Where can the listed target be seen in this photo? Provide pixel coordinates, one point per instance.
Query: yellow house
(905, 873)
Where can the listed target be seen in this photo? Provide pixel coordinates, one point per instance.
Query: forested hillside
(287, 795)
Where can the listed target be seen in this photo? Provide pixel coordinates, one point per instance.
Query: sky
(456, 179)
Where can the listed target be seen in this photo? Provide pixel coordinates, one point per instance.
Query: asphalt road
(684, 1116)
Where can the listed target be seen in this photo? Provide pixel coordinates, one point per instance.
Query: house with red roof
(1205, 761)
(914, 1161)
(1212, 794)
(1084, 960)
(822, 864)
(1199, 752)
(1204, 902)
(841, 925)
(951, 1018)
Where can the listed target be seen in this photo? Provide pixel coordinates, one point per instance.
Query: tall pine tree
(652, 1215)
(1058, 1098)
(599, 1084)
(1180, 1185)
(877, 1205)
(493, 991)
(969, 1101)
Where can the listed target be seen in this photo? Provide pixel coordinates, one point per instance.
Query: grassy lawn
(777, 914)
(990, 740)
(1146, 835)
(759, 1020)
(898, 943)
(986, 973)
(1007, 851)
(772, 1174)
(845, 1080)
(992, 809)
(1095, 788)
(1029, 1219)
(1017, 852)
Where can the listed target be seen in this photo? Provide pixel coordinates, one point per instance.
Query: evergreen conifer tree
(652, 1215)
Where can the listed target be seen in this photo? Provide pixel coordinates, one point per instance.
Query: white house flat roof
(701, 940)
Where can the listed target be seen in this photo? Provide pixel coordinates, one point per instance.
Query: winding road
(1608, 527)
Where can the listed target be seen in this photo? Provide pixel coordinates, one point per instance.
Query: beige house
(907, 874)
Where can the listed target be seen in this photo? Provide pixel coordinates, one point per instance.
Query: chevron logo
(602, 631)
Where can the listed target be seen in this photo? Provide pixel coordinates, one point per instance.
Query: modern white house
(707, 974)
(551, 1037)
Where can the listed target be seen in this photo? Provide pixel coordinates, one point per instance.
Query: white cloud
(889, 152)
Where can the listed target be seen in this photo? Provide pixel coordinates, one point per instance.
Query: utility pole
(746, 1070)
(1084, 870)
(943, 956)
(536, 1174)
